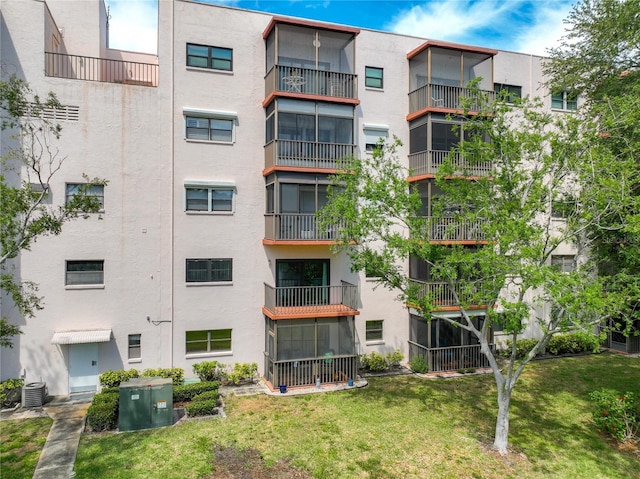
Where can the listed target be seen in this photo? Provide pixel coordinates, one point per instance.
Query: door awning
(81, 337)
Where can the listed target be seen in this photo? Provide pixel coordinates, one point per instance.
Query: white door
(83, 367)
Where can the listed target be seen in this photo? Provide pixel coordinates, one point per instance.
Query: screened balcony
(301, 352)
(452, 229)
(443, 295)
(106, 70)
(297, 227)
(307, 154)
(310, 59)
(441, 72)
(427, 162)
(309, 301)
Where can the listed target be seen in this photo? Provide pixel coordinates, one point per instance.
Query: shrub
(209, 370)
(573, 343)
(175, 374)
(115, 390)
(374, 361)
(112, 379)
(103, 412)
(419, 364)
(202, 408)
(394, 359)
(207, 395)
(242, 372)
(11, 392)
(186, 392)
(523, 347)
(616, 415)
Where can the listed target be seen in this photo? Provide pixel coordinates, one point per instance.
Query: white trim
(227, 115)
(210, 184)
(208, 355)
(371, 126)
(81, 337)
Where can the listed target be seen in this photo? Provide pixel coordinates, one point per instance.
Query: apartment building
(217, 154)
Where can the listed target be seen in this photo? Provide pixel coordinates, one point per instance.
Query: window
(374, 136)
(511, 92)
(134, 346)
(373, 77)
(87, 189)
(215, 58)
(565, 263)
(84, 272)
(374, 330)
(563, 100)
(212, 270)
(210, 198)
(210, 129)
(211, 341)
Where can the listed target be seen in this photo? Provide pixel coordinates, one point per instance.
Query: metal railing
(310, 299)
(311, 82)
(447, 97)
(427, 162)
(441, 293)
(450, 358)
(305, 372)
(307, 154)
(78, 67)
(452, 229)
(297, 226)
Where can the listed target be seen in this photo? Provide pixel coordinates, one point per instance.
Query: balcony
(77, 67)
(306, 154)
(427, 162)
(453, 229)
(297, 227)
(305, 372)
(442, 295)
(307, 81)
(445, 97)
(297, 302)
(450, 358)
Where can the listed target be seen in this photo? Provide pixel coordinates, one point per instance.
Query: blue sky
(528, 26)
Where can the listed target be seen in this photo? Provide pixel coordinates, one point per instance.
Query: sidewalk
(59, 452)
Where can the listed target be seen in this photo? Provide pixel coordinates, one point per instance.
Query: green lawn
(21, 441)
(397, 427)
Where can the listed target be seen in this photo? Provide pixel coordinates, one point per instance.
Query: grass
(21, 441)
(403, 426)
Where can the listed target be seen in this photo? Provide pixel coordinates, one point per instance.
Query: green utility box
(145, 403)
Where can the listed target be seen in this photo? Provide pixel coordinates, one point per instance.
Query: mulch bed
(233, 463)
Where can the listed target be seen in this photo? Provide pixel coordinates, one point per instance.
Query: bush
(374, 361)
(419, 364)
(103, 412)
(186, 392)
(573, 343)
(202, 408)
(394, 359)
(523, 347)
(112, 379)
(11, 392)
(616, 415)
(209, 371)
(175, 374)
(242, 372)
(207, 395)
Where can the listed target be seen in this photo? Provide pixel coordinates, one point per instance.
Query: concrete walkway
(59, 452)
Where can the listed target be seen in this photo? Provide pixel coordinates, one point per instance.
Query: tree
(538, 161)
(599, 59)
(27, 169)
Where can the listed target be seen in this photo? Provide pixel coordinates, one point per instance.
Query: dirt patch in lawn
(233, 463)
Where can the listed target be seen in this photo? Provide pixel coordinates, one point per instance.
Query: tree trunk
(501, 439)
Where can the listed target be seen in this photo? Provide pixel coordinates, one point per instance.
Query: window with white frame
(374, 330)
(135, 350)
(565, 263)
(209, 270)
(209, 197)
(510, 92)
(564, 100)
(84, 272)
(86, 189)
(210, 125)
(214, 58)
(374, 136)
(373, 77)
(208, 341)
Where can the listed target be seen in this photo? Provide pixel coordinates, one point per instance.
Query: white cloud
(545, 32)
(133, 25)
